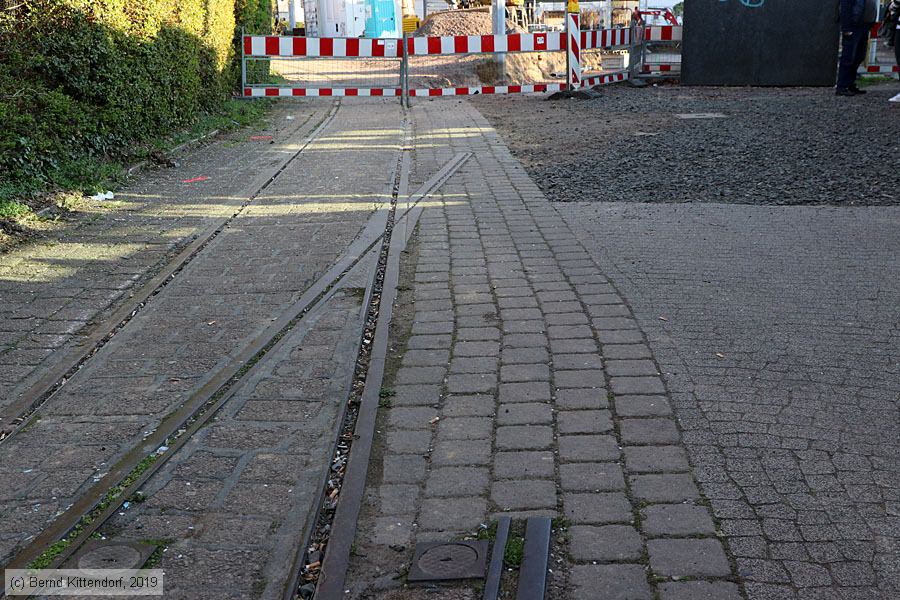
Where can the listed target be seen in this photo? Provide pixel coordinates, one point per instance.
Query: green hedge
(82, 81)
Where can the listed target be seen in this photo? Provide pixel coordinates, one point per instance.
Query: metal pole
(243, 64)
(498, 27)
(404, 72)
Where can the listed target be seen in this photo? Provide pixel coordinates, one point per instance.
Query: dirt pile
(462, 22)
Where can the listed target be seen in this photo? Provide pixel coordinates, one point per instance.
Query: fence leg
(643, 29)
(573, 46)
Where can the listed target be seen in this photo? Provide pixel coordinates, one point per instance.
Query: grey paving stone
(428, 342)
(426, 358)
(606, 543)
(579, 379)
(636, 385)
(457, 481)
(591, 477)
(526, 413)
(577, 362)
(526, 494)
(421, 375)
(569, 331)
(649, 431)
(688, 558)
(588, 448)
(474, 334)
(676, 520)
(452, 514)
(630, 368)
(524, 355)
(408, 442)
(525, 340)
(524, 465)
(655, 459)
(481, 364)
(469, 406)
(584, 421)
(398, 499)
(403, 468)
(597, 508)
(673, 487)
(392, 531)
(471, 383)
(461, 452)
(699, 590)
(465, 428)
(609, 582)
(414, 395)
(411, 417)
(530, 326)
(533, 391)
(476, 349)
(524, 437)
(642, 406)
(582, 398)
(573, 346)
(525, 372)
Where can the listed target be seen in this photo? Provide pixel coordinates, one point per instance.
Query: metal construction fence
(461, 65)
(439, 65)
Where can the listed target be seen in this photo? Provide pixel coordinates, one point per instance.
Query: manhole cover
(434, 561)
(113, 555)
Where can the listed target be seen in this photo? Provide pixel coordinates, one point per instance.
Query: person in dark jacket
(857, 19)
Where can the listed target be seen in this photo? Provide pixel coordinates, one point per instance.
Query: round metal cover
(434, 561)
(111, 556)
(447, 560)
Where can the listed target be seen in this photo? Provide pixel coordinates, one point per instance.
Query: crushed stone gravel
(775, 146)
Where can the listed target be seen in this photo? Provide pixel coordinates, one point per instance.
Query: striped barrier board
(262, 46)
(661, 67)
(880, 69)
(261, 92)
(663, 33)
(605, 79)
(488, 89)
(297, 46)
(605, 38)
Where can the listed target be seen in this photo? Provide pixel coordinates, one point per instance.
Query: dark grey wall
(780, 42)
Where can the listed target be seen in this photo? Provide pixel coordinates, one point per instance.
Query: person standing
(857, 19)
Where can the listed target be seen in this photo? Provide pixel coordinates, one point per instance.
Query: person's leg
(846, 73)
(848, 55)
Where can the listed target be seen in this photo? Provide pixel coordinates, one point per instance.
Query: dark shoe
(844, 92)
(857, 91)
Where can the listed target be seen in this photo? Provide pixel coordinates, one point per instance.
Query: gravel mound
(777, 146)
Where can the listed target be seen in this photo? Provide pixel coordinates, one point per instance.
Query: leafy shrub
(83, 80)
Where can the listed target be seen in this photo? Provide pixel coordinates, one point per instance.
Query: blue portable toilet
(383, 19)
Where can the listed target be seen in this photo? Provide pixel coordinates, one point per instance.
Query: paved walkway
(54, 291)
(229, 294)
(778, 332)
(522, 385)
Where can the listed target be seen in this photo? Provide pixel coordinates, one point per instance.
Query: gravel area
(772, 146)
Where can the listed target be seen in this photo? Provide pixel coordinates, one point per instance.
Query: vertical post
(404, 71)
(573, 45)
(498, 27)
(243, 63)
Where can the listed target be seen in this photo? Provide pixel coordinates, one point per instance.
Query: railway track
(374, 249)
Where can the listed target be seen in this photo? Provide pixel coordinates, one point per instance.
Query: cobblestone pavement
(235, 501)
(778, 333)
(521, 385)
(241, 282)
(54, 290)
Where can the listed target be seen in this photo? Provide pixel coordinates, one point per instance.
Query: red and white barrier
(604, 79)
(605, 38)
(261, 92)
(479, 44)
(663, 33)
(875, 69)
(487, 89)
(259, 46)
(573, 50)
